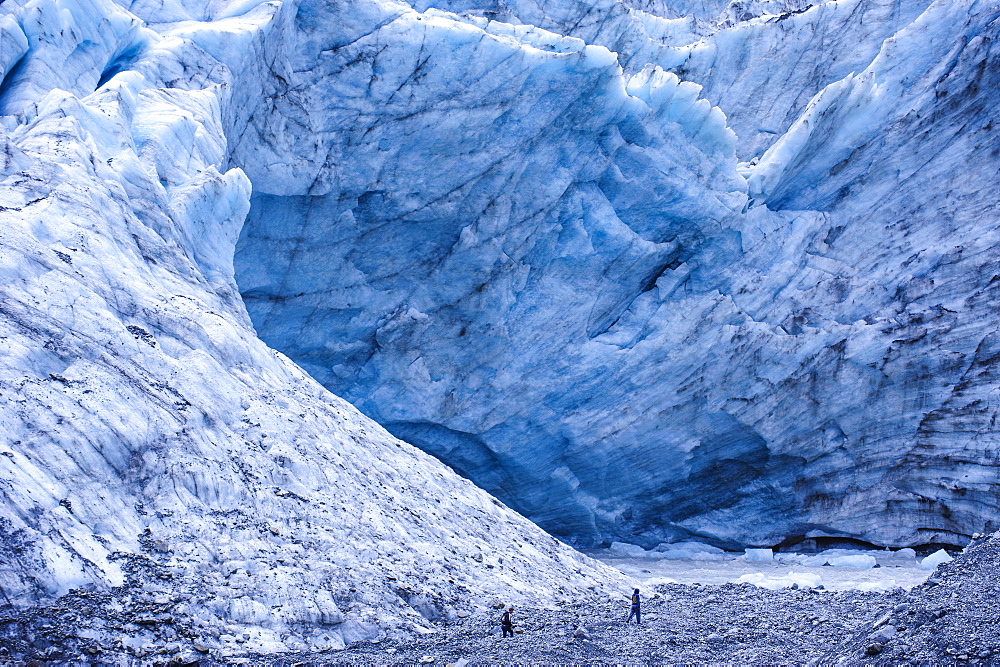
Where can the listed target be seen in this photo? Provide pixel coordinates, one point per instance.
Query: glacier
(646, 272)
(626, 315)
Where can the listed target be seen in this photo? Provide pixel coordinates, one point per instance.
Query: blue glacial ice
(148, 438)
(558, 277)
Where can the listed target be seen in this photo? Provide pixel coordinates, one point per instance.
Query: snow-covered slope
(143, 423)
(547, 273)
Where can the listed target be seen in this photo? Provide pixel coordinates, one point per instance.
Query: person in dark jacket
(635, 611)
(507, 622)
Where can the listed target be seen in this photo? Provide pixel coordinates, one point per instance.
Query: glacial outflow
(552, 274)
(151, 443)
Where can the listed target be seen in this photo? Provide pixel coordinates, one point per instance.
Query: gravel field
(692, 624)
(950, 619)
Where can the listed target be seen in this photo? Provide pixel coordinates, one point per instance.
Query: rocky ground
(950, 619)
(736, 622)
(953, 618)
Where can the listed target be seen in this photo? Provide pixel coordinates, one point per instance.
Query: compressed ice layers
(553, 275)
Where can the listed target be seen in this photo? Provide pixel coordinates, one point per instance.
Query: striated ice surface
(413, 282)
(527, 238)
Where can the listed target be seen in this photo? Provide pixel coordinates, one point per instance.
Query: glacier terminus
(324, 321)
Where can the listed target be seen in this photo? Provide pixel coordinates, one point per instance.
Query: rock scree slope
(948, 619)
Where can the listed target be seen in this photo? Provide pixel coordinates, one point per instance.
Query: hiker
(507, 622)
(634, 611)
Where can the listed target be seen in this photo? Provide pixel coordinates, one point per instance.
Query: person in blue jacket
(635, 611)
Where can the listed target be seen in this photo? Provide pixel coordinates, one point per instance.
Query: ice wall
(446, 228)
(149, 440)
(547, 272)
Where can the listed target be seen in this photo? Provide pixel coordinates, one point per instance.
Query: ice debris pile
(793, 580)
(629, 313)
(829, 570)
(676, 551)
(153, 450)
